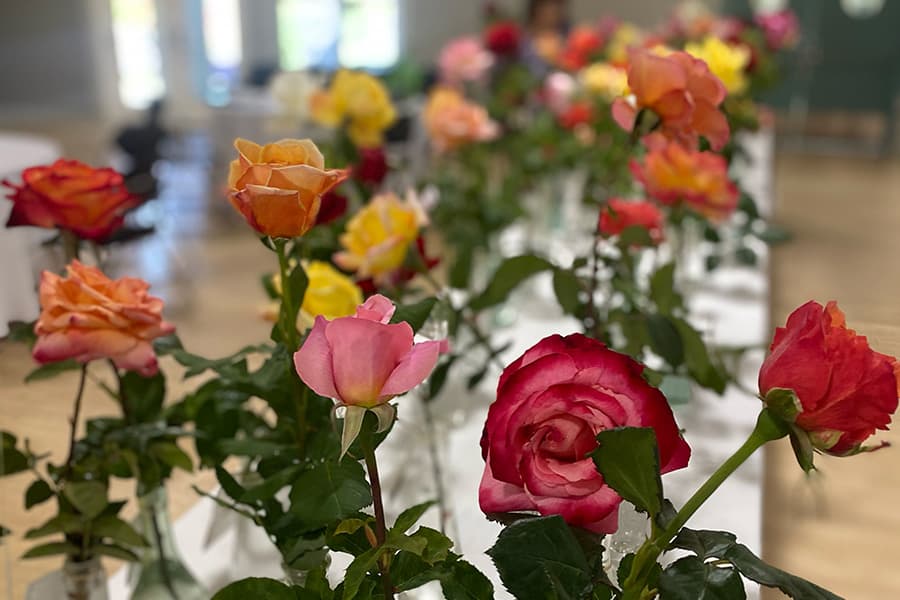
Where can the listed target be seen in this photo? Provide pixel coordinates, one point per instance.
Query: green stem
(368, 448)
(768, 428)
(288, 329)
(70, 244)
(74, 422)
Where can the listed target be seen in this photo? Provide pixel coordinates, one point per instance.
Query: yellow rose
(329, 293)
(378, 236)
(727, 61)
(624, 37)
(604, 80)
(361, 101)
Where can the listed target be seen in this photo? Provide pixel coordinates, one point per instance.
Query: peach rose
(86, 316)
(278, 187)
(452, 121)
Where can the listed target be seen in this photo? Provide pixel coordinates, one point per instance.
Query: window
(136, 48)
(326, 34)
(222, 46)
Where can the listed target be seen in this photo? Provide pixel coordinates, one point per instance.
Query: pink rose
(364, 360)
(551, 403)
(86, 316)
(464, 59)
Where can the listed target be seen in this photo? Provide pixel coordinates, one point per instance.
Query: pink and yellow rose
(87, 316)
(464, 59)
(452, 121)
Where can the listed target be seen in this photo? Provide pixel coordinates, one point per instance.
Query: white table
(18, 300)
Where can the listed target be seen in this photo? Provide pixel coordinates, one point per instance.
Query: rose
(332, 207)
(583, 42)
(674, 174)
(378, 237)
(86, 316)
(681, 91)
(619, 215)
(726, 61)
(372, 167)
(845, 389)
(329, 293)
(780, 28)
(604, 80)
(278, 187)
(503, 38)
(364, 360)
(464, 59)
(551, 403)
(359, 99)
(452, 121)
(70, 195)
(579, 113)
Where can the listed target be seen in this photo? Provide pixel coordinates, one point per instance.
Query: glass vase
(634, 527)
(77, 580)
(161, 574)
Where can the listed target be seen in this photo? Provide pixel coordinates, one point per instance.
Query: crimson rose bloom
(70, 195)
(333, 207)
(503, 38)
(846, 389)
(618, 215)
(372, 167)
(551, 403)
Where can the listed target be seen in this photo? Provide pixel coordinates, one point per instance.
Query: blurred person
(546, 25)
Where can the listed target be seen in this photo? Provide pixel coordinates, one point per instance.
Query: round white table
(18, 298)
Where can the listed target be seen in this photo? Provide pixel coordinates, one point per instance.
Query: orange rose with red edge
(278, 187)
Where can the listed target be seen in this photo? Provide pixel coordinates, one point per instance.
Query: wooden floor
(841, 529)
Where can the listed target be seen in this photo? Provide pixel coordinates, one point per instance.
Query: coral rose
(673, 175)
(364, 360)
(86, 316)
(452, 121)
(278, 187)
(845, 389)
(378, 237)
(551, 403)
(618, 215)
(681, 91)
(70, 195)
(464, 59)
(581, 46)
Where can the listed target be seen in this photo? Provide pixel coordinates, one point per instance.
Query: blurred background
(160, 88)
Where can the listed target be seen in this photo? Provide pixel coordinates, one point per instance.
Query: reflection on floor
(839, 530)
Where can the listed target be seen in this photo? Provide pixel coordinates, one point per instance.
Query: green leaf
(298, 282)
(51, 549)
(414, 314)
(167, 344)
(628, 459)
(52, 370)
(723, 545)
(117, 530)
(634, 235)
(465, 582)
(434, 545)
(439, 377)
(411, 516)
(38, 492)
(803, 449)
(88, 497)
(772, 234)
(12, 460)
(143, 396)
(255, 588)
(252, 447)
(229, 484)
(357, 570)
(170, 454)
(61, 523)
(116, 551)
(746, 257)
(690, 578)
(268, 488)
(676, 388)
(662, 289)
(329, 492)
(665, 339)
(508, 275)
(697, 358)
(566, 286)
(540, 558)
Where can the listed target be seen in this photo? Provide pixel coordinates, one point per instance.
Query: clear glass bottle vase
(161, 574)
(77, 580)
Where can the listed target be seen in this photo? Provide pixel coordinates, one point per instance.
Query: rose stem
(75, 416)
(380, 529)
(768, 428)
(291, 341)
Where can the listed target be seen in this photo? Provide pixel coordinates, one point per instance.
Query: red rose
(578, 113)
(333, 207)
(372, 166)
(846, 389)
(551, 403)
(503, 38)
(70, 195)
(620, 214)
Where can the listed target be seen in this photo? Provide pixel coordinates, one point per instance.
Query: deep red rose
(578, 113)
(551, 403)
(846, 389)
(70, 195)
(503, 38)
(372, 167)
(618, 215)
(333, 207)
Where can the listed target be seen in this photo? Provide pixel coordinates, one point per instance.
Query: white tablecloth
(18, 300)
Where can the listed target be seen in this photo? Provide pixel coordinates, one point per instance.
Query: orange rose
(452, 121)
(86, 316)
(673, 174)
(70, 195)
(682, 92)
(278, 187)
